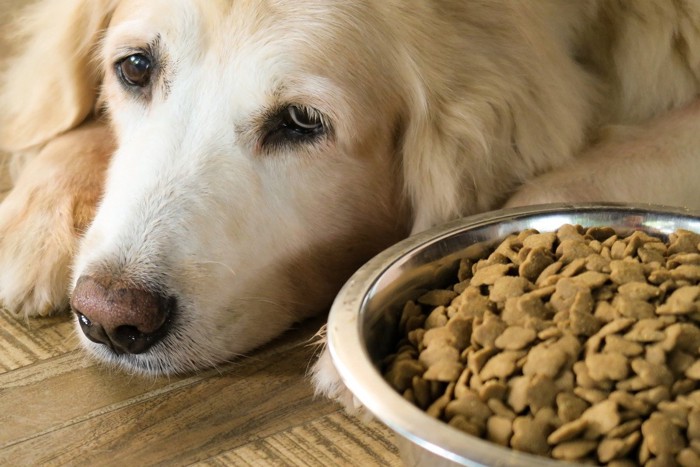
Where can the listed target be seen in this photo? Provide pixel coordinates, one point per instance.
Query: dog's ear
(52, 83)
(444, 149)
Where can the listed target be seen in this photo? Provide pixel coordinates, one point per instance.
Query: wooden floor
(59, 407)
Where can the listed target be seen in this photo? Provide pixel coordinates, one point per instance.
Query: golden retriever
(194, 176)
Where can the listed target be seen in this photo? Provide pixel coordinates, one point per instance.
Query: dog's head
(265, 150)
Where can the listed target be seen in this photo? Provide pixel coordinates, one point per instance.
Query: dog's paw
(36, 246)
(43, 216)
(327, 381)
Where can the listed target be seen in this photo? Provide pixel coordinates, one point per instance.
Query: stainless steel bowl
(362, 322)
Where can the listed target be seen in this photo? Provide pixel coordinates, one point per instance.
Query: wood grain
(59, 407)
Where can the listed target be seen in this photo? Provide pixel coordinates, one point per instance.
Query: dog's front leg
(655, 162)
(43, 216)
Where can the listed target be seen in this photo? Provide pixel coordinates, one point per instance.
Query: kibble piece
(529, 436)
(469, 406)
(607, 366)
(618, 344)
(570, 406)
(499, 430)
(570, 249)
(639, 290)
(682, 301)
(662, 436)
(652, 374)
(623, 271)
(573, 450)
(486, 331)
(500, 365)
(401, 374)
(545, 361)
(568, 431)
(508, 286)
(438, 297)
(489, 274)
(602, 417)
(444, 371)
(693, 371)
(462, 423)
(536, 261)
(517, 397)
(688, 458)
(515, 338)
(541, 393)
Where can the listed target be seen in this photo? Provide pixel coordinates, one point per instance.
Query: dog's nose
(127, 319)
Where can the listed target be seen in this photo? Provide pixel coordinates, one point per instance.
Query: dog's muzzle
(127, 319)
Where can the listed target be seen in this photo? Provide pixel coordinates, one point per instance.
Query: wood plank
(25, 341)
(76, 412)
(334, 439)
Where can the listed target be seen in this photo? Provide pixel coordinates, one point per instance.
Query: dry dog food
(578, 344)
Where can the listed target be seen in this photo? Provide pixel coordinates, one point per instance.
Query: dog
(194, 176)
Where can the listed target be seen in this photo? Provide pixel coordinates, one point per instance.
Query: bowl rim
(358, 373)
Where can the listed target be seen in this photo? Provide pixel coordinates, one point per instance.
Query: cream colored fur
(434, 109)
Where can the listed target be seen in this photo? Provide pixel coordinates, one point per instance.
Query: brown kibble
(463, 424)
(693, 371)
(541, 392)
(437, 318)
(568, 431)
(602, 417)
(628, 401)
(493, 390)
(573, 450)
(517, 397)
(501, 365)
(639, 290)
(499, 430)
(529, 436)
(683, 300)
(570, 406)
(445, 371)
(688, 458)
(536, 261)
(400, 374)
(508, 286)
(662, 436)
(646, 330)
(579, 344)
(618, 344)
(570, 249)
(488, 274)
(614, 448)
(437, 297)
(543, 360)
(470, 407)
(652, 374)
(487, 330)
(607, 366)
(623, 271)
(515, 338)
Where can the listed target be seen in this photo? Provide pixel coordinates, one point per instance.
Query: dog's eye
(135, 70)
(294, 124)
(300, 120)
